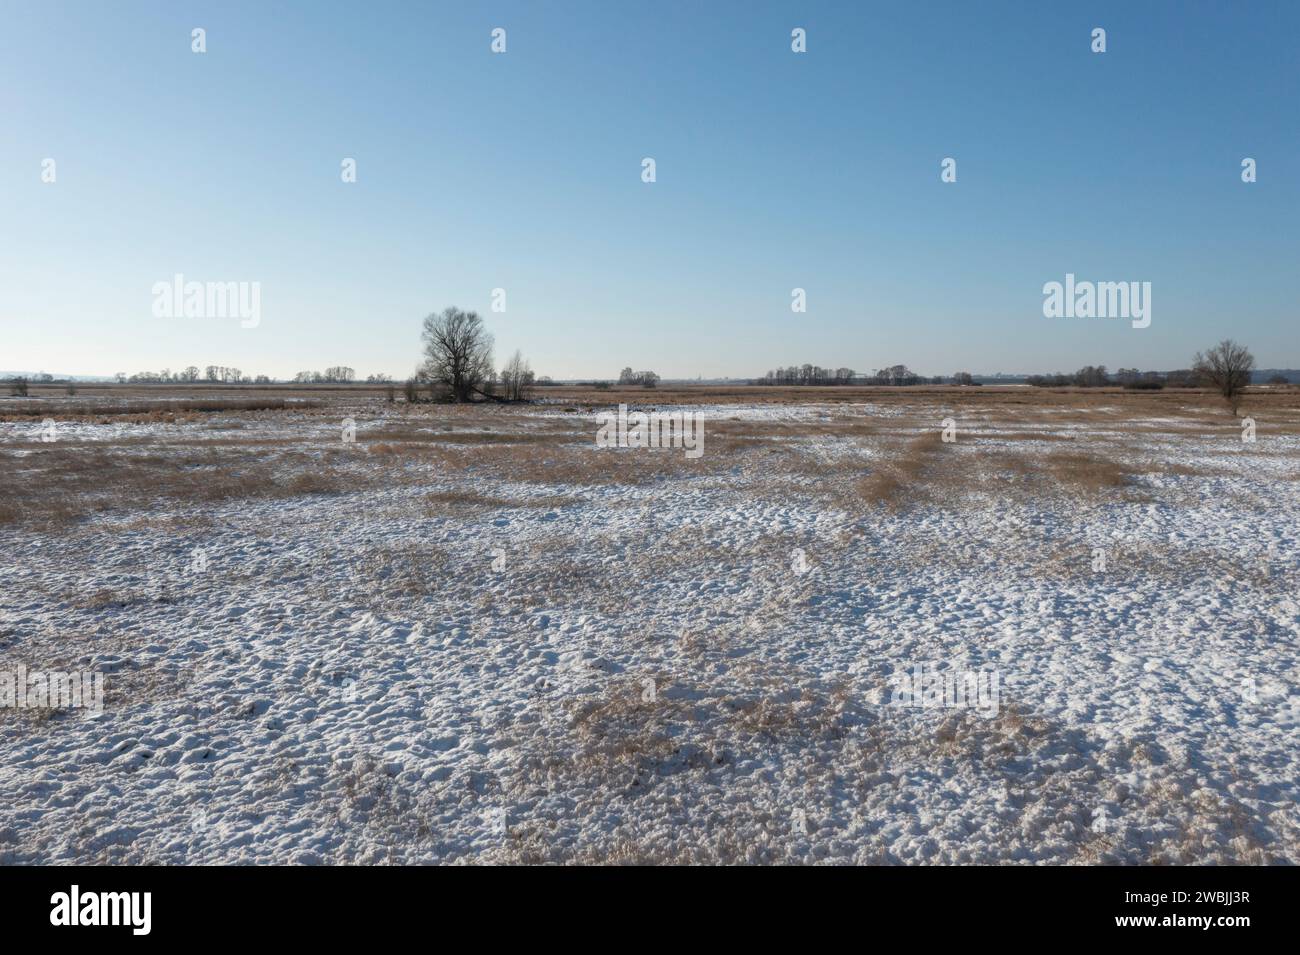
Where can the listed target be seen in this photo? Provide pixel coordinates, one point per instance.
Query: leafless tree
(1226, 366)
(808, 375)
(457, 352)
(516, 378)
(1092, 376)
(896, 375)
(646, 379)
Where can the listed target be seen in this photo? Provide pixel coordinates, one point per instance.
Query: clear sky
(522, 171)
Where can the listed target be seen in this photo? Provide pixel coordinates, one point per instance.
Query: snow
(644, 676)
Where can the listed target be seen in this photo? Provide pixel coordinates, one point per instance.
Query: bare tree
(896, 375)
(457, 352)
(646, 379)
(1092, 376)
(516, 378)
(1226, 366)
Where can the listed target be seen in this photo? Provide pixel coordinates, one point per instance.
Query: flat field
(471, 635)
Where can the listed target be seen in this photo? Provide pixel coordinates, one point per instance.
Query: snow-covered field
(471, 635)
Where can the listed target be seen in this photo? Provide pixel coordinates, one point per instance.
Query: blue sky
(522, 171)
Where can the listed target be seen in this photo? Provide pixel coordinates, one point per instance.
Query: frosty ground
(472, 636)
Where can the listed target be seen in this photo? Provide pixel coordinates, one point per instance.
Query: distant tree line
(337, 375)
(808, 375)
(213, 373)
(894, 375)
(646, 379)
(18, 384)
(222, 374)
(1096, 376)
(1226, 368)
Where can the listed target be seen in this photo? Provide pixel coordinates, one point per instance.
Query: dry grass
(1087, 471)
(713, 712)
(901, 480)
(441, 502)
(143, 411)
(59, 486)
(1182, 823)
(927, 471)
(415, 568)
(54, 485)
(1091, 471)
